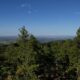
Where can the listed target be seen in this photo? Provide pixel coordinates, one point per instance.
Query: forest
(28, 59)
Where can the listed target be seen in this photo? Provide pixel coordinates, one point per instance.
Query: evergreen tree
(78, 52)
(23, 35)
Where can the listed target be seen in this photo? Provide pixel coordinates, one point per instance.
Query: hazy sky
(41, 17)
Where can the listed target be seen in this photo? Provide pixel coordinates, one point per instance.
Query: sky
(40, 17)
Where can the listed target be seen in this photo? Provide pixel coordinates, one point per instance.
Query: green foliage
(23, 35)
(28, 59)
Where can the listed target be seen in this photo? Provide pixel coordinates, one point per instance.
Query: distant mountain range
(39, 38)
(53, 38)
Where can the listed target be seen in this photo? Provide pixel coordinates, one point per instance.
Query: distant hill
(39, 38)
(7, 39)
(54, 38)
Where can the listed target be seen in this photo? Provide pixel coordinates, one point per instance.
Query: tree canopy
(28, 59)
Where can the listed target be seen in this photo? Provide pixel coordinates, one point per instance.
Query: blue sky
(41, 17)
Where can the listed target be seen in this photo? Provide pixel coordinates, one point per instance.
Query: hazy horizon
(39, 38)
(41, 35)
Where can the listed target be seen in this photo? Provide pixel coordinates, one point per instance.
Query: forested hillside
(28, 59)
